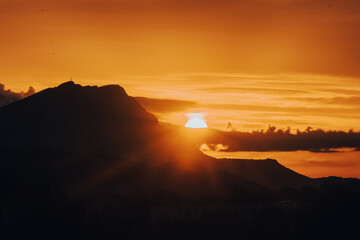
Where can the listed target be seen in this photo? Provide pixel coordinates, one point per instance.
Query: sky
(245, 64)
(252, 63)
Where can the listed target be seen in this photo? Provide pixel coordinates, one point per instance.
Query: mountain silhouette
(89, 123)
(268, 172)
(72, 117)
(88, 130)
(90, 162)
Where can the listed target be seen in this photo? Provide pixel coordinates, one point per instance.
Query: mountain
(86, 130)
(268, 172)
(91, 163)
(75, 118)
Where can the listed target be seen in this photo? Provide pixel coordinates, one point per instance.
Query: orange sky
(252, 63)
(269, 57)
(46, 42)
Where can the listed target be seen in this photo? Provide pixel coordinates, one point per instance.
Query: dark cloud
(283, 140)
(164, 105)
(8, 96)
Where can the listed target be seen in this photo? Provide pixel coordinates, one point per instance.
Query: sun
(195, 121)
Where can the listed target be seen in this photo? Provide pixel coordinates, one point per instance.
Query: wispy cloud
(335, 100)
(255, 101)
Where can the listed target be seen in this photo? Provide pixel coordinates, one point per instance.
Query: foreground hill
(269, 172)
(90, 162)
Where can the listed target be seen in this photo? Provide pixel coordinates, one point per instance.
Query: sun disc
(196, 123)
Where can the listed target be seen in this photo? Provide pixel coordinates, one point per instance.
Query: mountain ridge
(69, 117)
(98, 127)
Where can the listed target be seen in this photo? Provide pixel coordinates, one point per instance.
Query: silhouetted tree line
(273, 139)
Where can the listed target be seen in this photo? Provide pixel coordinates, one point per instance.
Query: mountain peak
(113, 89)
(67, 84)
(75, 117)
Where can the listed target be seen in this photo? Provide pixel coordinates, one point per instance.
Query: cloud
(8, 96)
(325, 111)
(213, 147)
(268, 91)
(283, 140)
(164, 105)
(352, 101)
(253, 101)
